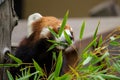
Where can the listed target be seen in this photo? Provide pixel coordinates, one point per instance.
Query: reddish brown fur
(37, 27)
(48, 22)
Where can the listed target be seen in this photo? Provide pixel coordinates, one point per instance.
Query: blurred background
(77, 8)
(90, 11)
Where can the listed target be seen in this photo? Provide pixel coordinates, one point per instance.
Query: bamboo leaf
(106, 76)
(117, 66)
(53, 32)
(63, 23)
(67, 37)
(53, 41)
(97, 77)
(9, 65)
(89, 45)
(15, 59)
(100, 41)
(74, 71)
(38, 68)
(10, 77)
(114, 43)
(95, 34)
(87, 60)
(64, 77)
(82, 30)
(52, 47)
(54, 56)
(27, 76)
(96, 31)
(59, 64)
(106, 54)
(51, 76)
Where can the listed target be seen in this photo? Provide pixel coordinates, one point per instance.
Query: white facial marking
(62, 39)
(44, 33)
(32, 18)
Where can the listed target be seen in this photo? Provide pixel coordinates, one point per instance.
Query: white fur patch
(62, 39)
(5, 50)
(44, 33)
(32, 18)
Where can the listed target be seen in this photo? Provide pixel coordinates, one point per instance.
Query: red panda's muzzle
(62, 39)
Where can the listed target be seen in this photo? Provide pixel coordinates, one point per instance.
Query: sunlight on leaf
(87, 60)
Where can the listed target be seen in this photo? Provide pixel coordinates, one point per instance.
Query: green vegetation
(96, 64)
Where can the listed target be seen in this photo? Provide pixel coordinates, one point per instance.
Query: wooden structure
(8, 20)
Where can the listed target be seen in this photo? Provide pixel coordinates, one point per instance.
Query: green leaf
(51, 76)
(111, 77)
(100, 41)
(38, 68)
(96, 31)
(67, 37)
(89, 45)
(97, 77)
(106, 54)
(117, 66)
(24, 72)
(52, 47)
(82, 30)
(114, 43)
(59, 64)
(27, 76)
(74, 71)
(63, 23)
(10, 77)
(87, 60)
(36, 77)
(53, 32)
(54, 56)
(64, 77)
(53, 41)
(95, 34)
(9, 65)
(15, 59)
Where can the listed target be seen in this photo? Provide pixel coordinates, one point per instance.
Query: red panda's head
(38, 27)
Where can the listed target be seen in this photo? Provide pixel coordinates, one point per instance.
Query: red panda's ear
(31, 19)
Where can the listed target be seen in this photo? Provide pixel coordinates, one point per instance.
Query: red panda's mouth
(63, 43)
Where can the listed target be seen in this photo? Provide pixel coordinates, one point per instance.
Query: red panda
(36, 44)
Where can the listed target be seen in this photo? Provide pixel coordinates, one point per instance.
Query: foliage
(96, 64)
